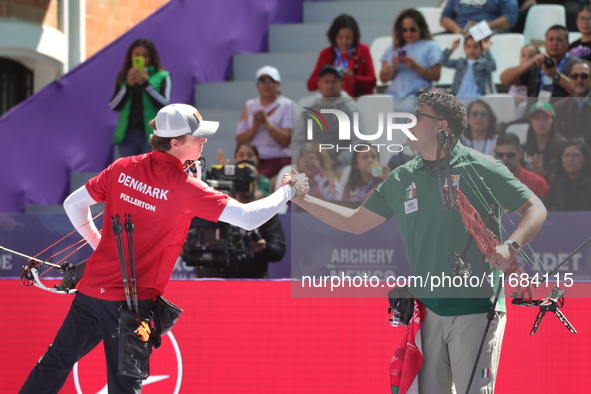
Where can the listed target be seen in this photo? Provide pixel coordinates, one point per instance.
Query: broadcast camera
(215, 248)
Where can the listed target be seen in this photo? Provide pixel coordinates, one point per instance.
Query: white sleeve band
(252, 215)
(77, 208)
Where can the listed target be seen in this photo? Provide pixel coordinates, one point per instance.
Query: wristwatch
(557, 77)
(513, 245)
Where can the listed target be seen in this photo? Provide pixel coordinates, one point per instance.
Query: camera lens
(548, 62)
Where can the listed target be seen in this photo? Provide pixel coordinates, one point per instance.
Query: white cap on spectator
(270, 71)
(177, 119)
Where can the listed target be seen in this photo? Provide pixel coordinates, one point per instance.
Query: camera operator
(270, 247)
(220, 250)
(545, 75)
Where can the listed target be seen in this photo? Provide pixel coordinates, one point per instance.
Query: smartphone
(401, 53)
(139, 62)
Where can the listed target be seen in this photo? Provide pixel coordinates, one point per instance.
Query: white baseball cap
(270, 71)
(177, 119)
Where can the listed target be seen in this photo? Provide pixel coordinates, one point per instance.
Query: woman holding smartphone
(349, 55)
(411, 63)
(142, 87)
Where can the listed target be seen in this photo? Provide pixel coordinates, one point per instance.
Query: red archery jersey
(162, 199)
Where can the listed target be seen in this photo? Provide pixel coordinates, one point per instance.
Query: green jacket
(155, 79)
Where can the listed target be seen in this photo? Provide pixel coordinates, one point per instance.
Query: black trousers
(89, 321)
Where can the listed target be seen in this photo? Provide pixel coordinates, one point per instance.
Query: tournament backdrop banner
(316, 249)
(252, 337)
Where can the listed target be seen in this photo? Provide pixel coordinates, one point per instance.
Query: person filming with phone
(412, 62)
(142, 87)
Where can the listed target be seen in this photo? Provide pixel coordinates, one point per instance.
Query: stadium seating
(377, 49)
(506, 49)
(432, 16)
(539, 18)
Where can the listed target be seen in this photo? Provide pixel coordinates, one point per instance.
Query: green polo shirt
(431, 235)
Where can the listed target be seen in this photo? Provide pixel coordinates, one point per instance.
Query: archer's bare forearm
(334, 215)
(533, 214)
(356, 221)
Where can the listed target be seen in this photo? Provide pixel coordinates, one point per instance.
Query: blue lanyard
(483, 147)
(338, 61)
(361, 193)
(543, 84)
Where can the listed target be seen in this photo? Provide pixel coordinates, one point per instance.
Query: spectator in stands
(142, 87)
(520, 91)
(411, 63)
(482, 131)
(459, 15)
(245, 151)
(266, 122)
(541, 141)
(366, 174)
(349, 55)
(571, 190)
(509, 152)
(545, 79)
(330, 85)
(473, 77)
(573, 114)
(582, 47)
(317, 165)
(271, 245)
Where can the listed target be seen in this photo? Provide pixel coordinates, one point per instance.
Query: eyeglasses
(584, 20)
(583, 76)
(510, 155)
(410, 29)
(574, 156)
(419, 115)
(482, 114)
(263, 81)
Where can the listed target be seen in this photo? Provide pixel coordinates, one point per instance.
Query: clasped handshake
(299, 182)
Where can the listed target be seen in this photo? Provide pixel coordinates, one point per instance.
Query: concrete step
(291, 66)
(77, 180)
(362, 11)
(311, 37)
(233, 94)
(225, 137)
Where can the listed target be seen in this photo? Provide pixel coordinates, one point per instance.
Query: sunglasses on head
(582, 75)
(411, 29)
(482, 114)
(510, 155)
